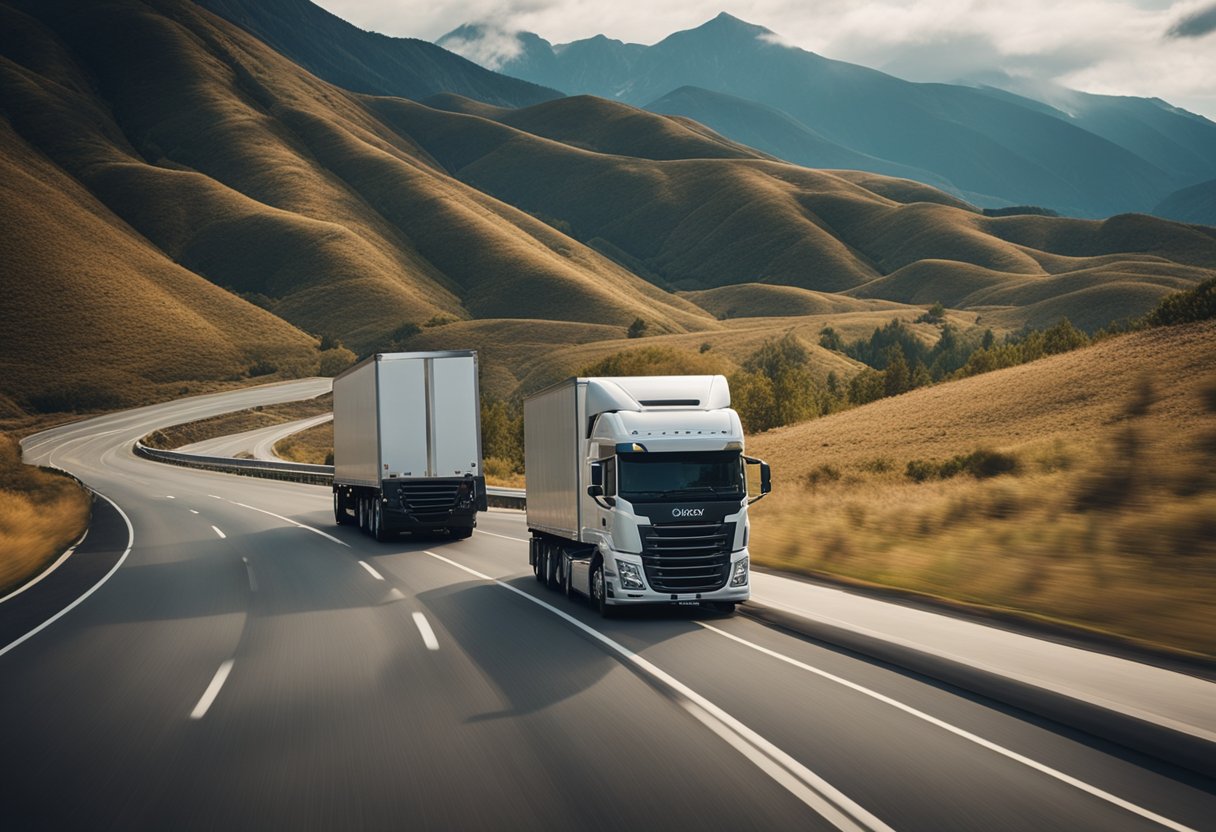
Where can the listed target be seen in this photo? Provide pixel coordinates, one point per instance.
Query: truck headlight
(739, 576)
(630, 575)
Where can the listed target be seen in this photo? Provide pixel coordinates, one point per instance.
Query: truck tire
(378, 530)
(359, 513)
(462, 533)
(539, 560)
(551, 555)
(599, 594)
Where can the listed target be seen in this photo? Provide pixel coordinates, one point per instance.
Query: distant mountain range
(367, 62)
(1081, 155)
(184, 205)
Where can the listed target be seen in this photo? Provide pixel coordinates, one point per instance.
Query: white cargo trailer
(407, 444)
(637, 492)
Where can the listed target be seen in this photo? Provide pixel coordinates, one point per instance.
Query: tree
(830, 339)
(637, 329)
(1063, 337)
(898, 377)
(751, 395)
(867, 386)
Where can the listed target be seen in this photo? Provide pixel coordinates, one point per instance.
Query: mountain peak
(725, 21)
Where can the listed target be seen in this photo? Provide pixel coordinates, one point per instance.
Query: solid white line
(428, 635)
(503, 536)
(92, 589)
(295, 523)
(66, 552)
(212, 691)
(217, 531)
(373, 572)
(825, 799)
(967, 735)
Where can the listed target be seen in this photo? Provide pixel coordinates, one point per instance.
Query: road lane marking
(371, 571)
(295, 523)
(960, 732)
(216, 496)
(192, 511)
(212, 691)
(503, 536)
(253, 582)
(48, 570)
(170, 497)
(217, 531)
(92, 589)
(428, 635)
(815, 792)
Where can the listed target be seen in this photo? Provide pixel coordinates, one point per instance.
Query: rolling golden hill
(1100, 512)
(203, 208)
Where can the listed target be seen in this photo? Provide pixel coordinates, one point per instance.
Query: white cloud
(1108, 46)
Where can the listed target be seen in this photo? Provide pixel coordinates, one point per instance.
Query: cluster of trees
(502, 433)
(775, 387)
(899, 360)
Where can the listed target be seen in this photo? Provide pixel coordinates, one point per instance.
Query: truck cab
(660, 495)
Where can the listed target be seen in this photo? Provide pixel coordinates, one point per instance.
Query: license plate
(688, 603)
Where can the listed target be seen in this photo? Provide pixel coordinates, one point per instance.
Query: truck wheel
(378, 531)
(599, 594)
(551, 555)
(462, 534)
(538, 559)
(568, 580)
(359, 513)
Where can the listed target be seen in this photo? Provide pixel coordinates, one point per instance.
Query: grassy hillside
(1194, 204)
(1104, 520)
(204, 209)
(41, 514)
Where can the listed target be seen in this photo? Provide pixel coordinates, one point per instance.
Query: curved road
(248, 665)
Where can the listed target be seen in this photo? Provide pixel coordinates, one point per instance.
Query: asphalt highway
(237, 661)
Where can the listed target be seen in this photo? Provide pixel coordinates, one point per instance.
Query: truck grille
(687, 557)
(430, 499)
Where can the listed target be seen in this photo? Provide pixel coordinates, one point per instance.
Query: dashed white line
(428, 635)
(295, 523)
(212, 691)
(192, 511)
(503, 536)
(815, 792)
(217, 531)
(371, 571)
(215, 496)
(170, 497)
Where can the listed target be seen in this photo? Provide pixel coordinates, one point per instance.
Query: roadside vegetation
(314, 445)
(1081, 490)
(41, 514)
(239, 421)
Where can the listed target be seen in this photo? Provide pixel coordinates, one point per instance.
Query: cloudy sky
(1162, 48)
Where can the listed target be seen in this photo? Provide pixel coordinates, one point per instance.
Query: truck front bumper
(620, 595)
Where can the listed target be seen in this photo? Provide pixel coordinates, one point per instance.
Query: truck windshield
(705, 475)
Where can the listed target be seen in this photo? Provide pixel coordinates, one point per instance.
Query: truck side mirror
(766, 477)
(595, 490)
(597, 475)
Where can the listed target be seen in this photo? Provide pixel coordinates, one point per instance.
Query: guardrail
(292, 471)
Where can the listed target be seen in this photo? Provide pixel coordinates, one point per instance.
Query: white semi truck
(637, 491)
(407, 444)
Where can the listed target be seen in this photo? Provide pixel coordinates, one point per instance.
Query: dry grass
(238, 421)
(41, 514)
(314, 445)
(1108, 523)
